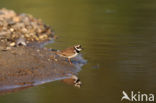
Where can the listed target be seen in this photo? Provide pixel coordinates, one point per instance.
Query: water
(119, 41)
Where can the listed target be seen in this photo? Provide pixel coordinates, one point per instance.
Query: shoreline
(31, 64)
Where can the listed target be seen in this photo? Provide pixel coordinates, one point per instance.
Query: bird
(70, 52)
(73, 80)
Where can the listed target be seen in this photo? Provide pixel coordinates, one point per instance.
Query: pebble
(13, 26)
(12, 44)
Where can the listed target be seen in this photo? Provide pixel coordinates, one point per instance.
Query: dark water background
(119, 41)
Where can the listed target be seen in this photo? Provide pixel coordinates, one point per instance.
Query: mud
(30, 66)
(33, 64)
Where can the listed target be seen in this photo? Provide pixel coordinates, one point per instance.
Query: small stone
(38, 50)
(11, 29)
(21, 41)
(16, 19)
(8, 48)
(12, 44)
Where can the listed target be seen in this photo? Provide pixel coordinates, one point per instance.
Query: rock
(13, 26)
(21, 41)
(12, 44)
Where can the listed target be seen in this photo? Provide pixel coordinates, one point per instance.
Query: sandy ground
(30, 66)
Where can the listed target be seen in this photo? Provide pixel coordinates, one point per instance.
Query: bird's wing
(67, 52)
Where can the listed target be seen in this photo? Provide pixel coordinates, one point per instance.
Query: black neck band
(77, 51)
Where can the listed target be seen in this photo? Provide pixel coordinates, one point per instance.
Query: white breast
(72, 56)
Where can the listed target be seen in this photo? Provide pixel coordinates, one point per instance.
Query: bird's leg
(69, 61)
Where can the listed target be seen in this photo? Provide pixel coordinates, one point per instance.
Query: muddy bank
(29, 66)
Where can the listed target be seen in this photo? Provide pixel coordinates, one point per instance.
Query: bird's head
(78, 48)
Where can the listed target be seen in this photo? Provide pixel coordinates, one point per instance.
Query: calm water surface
(119, 41)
